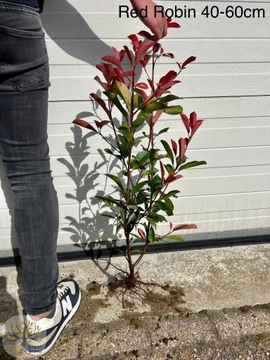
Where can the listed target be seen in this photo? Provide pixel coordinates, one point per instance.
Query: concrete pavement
(225, 311)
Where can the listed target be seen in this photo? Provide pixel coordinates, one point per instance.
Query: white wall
(228, 86)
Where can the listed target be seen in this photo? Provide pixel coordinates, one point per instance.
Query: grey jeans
(24, 82)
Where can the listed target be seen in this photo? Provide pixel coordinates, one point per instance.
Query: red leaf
(172, 24)
(171, 226)
(142, 234)
(145, 60)
(128, 73)
(135, 41)
(145, 34)
(103, 123)
(193, 118)
(84, 124)
(122, 55)
(116, 53)
(151, 84)
(172, 177)
(195, 127)
(100, 124)
(170, 55)
(184, 227)
(171, 75)
(162, 170)
(185, 121)
(189, 60)
(112, 60)
(142, 85)
(156, 48)
(182, 147)
(194, 123)
(128, 53)
(170, 84)
(143, 48)
(102, 83)
(100, 102)
(120, 75)
(143, 93)
(174, 146)
(107, 71)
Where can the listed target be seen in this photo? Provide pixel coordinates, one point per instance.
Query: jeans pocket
(20, 33)
(23, 53)
(34, 79)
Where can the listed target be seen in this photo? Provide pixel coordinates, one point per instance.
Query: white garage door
(228, 86)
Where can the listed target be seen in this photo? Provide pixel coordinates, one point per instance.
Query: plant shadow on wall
(147, 162)
(88, 228)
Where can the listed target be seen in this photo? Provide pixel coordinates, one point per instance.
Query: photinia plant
(150, 164)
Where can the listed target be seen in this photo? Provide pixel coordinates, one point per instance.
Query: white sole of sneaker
(70, 316)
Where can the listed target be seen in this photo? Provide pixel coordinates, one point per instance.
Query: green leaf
(113, 97)
(174, 237)
(169, 205)
(163, 131)
(124, 93)
(154, 155)
(151, 235)
(154, 106)
(108, 151)
(138, 122)
(117, 181)
(132, 217)
(123, 146)
(142, 198)
(168, 98)
(168, 150)
(174, 110)
(138, 187)
(138, 99)
(169, 168)
(192, 164)
(142, 157)
(144, 115)
(125, 130)
(148, 173)
(122, 214)
(173, 193)
(109, 201)
(155, 183)
(154, 218)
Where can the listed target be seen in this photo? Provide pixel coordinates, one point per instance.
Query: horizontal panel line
(225, 194)
(167, 63)
(183, 98)
(201, 149)
(224, 212)
(175, 39)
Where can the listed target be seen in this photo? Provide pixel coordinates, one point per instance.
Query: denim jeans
(24, 82)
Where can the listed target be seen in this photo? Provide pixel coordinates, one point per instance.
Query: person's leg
(24, 151)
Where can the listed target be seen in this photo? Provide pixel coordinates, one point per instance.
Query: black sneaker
(48, 329)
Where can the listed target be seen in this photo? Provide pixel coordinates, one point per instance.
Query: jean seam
(18, 8)
(26, 34)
